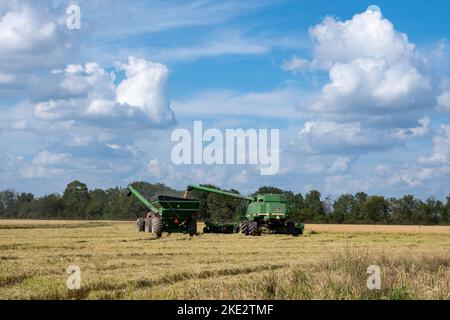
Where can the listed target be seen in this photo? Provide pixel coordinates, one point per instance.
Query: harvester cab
(265, 212)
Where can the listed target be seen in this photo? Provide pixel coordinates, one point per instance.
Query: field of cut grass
(116, 262)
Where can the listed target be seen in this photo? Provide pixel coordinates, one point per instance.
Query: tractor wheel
(140, 224)
(148, 225)
(157, 226)
(302, 229)
(252, 229)
(192, 226)
(243, 227)
(293, 230)
(236, 228)
(299, 230)
(290, 226)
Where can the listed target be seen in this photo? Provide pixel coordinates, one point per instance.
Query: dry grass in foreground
(118, 263)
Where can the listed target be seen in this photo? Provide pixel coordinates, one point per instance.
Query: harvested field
(346, 228)
(116, 262)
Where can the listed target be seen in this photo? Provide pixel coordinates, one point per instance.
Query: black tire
(148, 225)
(243, 227)
(192, 226)
(237, 228)
(290, 226)
(293, 230)
(140, 225)
(157, 226)
(252, 229)
(206, 230)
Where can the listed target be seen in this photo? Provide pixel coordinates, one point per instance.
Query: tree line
(78, 202)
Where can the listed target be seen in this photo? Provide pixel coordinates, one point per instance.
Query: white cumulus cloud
(336, 137)
(444, 101)
(295, 64)
(145, 88)
(374, 71)
(91, 94)
(45, 158)
(24, 27)
(377, 87)
(420, 131)
(441, 147)
(341, 164)
(366, 86)
(367, 34)
(32, 36)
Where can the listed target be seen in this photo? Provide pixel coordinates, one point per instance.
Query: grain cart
(264, 211)
(167, 213)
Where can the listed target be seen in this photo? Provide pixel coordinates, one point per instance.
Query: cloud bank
(91, 95)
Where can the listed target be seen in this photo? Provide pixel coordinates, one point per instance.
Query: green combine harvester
(264, 212)
(166, 213)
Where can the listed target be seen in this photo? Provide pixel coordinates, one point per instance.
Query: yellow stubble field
(116, 262)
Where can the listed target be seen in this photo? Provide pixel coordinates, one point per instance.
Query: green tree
(219, 208)
(404, 209)
(10, 203)
(360, 198)
(439, 211)
(25, 204)
(446, 213)
(430, 212)
(50, 206)
(2, 209)
(75, 200)
(222, 208)
(96, 205)
(375, 209)
(117, 205)
(296, 208)
(202, 197)
(313, 207)
(344, 208)
(268, 189)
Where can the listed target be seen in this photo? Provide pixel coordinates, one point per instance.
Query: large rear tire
(140, 225)
(192, 226)
(252, 229)
(148, 225)
(243, 227)
(157, 226)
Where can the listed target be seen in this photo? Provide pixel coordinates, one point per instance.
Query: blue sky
(359, 90)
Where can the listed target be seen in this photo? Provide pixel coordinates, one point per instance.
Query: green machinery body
(268, 211)
(173, 214)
